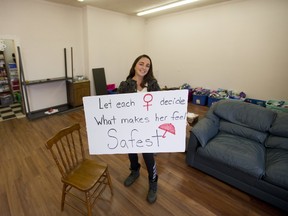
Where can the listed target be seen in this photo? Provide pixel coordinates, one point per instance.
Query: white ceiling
(131, 7)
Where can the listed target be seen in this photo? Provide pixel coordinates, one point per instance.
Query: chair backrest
(67, 149)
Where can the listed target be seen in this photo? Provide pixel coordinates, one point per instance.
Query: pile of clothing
(236, 95)
(219, 93)
(201, 91)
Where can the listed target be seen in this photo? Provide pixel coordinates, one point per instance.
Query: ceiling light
(165, 7)
(80, 0)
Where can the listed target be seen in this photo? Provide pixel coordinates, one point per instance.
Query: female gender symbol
(147, 101)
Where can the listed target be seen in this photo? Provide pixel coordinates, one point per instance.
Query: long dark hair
(149, 76)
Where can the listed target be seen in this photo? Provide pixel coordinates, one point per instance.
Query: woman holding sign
(141, 79)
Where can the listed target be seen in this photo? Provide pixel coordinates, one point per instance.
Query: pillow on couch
(280, 125)
(242, 131)
(245, 114)
(205, 130)
(277, 142)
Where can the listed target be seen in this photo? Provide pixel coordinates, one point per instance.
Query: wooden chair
(82, 178)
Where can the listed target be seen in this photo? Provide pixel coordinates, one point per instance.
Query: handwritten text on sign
(136, 122)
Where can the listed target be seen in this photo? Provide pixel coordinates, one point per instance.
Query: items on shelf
(14, 80)
(5, 90)
(80, 78)
(51, 111)
(6, 99)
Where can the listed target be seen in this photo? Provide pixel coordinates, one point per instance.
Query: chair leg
(63, 196)
(88, 204)
(109, 181)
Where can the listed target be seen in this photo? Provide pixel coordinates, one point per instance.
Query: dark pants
(149, 161)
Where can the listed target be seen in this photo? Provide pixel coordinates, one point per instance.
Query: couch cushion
(204, 130)
(277, 142)
(280, 125)
(242, 131)
(245, 114)
(237, 152)
(277, 167)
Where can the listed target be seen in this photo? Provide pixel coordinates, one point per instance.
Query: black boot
(132, 177)
(152, 193)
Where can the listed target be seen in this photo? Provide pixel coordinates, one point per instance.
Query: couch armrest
(192, 146)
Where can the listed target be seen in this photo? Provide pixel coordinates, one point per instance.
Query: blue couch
(246, 146)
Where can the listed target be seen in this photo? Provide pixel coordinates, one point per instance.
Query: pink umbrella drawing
(167, 127)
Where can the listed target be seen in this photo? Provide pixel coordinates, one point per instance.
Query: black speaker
(100, 81)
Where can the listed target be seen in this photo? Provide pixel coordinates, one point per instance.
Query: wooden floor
(30, 183)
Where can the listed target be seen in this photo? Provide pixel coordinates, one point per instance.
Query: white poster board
(136, 122)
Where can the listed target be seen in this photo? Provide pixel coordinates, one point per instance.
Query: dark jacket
(130, 86)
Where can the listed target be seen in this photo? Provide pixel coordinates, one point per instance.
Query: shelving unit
(26, 83)
(75, 92)
(41, 113)
(14, 82)
(5, 91)
(36, 82)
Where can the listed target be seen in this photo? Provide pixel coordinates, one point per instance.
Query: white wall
(99, 38)
(240, 45)
(43, 30)
(114, 40)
